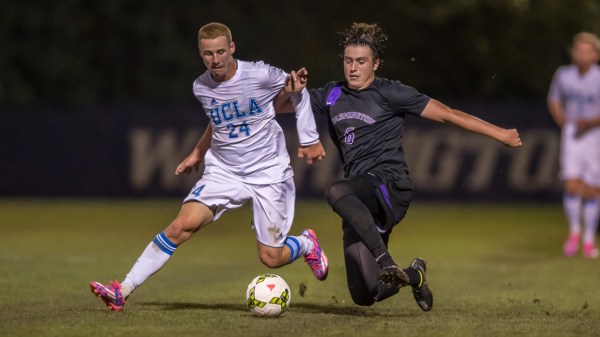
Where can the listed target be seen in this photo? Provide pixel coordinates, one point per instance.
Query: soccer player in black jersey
(366, 117)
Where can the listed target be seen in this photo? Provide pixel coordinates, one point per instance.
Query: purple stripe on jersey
(386, 195)
(334, 95)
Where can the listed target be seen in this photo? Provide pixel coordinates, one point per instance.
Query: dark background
(85, 84)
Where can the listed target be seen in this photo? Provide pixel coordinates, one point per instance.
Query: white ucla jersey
(247, 142)
(578, 94)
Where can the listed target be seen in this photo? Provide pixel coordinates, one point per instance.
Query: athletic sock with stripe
(154, 257)
(298, 245)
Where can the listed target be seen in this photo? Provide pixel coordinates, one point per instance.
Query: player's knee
(337, 191)
(179, 231)
(361, 298)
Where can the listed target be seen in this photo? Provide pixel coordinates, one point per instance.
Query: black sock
(414, 276)
(385, 260)
(357, 215)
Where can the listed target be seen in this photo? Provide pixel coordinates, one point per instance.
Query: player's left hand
(583, 126)
(313, 153)
(190, 164)
(511, 138)
(296, 81)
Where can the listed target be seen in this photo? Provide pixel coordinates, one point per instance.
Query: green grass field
(495, 270)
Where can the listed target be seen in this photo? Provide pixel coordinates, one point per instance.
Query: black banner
(133, 151)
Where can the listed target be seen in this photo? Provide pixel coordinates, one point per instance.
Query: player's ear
(232, 47)
(376, 64)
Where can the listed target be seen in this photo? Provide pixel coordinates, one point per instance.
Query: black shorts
(387, 200)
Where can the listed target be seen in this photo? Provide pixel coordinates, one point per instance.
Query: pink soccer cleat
(111, 295)
(571, 246)
(590, 250)
(316, 258)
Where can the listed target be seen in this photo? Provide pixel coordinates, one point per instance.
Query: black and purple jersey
(367, 125)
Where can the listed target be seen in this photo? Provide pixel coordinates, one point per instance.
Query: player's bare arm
(557, 113)
(192, 162)
(294, 84)
(439, 112)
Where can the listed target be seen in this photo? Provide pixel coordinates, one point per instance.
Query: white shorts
(272, 205)
(580, 156)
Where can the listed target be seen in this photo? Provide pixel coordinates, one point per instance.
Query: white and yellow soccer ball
(268, 295)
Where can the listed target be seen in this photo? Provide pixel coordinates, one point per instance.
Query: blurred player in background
(245, 157)
(366, 117)
(574, 102)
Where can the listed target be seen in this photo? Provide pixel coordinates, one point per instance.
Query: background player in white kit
(245, 158)
(574, 102)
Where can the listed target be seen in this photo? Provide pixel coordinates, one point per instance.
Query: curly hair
(365, 34)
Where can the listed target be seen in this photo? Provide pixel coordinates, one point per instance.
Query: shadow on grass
(296, 307)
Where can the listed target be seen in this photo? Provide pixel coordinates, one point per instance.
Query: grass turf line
(495, 270)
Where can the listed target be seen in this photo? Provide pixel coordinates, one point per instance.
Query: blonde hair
(213, 30)
(585, 37)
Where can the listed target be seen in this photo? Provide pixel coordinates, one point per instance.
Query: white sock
(154, 257)
(305, 245)
(591, 215)
(572, 206)
(298, 245)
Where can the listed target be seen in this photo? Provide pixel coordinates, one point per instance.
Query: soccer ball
(268, 295)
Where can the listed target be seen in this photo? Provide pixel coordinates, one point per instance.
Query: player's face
(584, 54)
(217, 55)
(359, 66)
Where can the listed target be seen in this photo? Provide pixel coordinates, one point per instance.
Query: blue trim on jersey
(568, 197)
(294, 245)
(334, 95)
(164, 243)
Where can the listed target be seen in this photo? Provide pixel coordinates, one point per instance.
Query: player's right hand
(296, 81)
(511, 138)
(312, 153)
(189, 164)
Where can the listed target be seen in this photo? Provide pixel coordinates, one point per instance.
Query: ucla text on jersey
(228, 111)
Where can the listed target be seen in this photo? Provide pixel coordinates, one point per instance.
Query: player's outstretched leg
(420, 289)
(111, 294)
(316, 258)
(393, 277)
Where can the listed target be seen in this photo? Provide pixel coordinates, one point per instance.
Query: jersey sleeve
(405, 99)
(276, 78)
(305, 121)
(318, 99)
(198, 93)
(554, 93)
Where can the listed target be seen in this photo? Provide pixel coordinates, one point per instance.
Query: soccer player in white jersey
(245, 157)
(574, 102)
